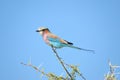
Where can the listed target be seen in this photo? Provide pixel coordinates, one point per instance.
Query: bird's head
(41, 30)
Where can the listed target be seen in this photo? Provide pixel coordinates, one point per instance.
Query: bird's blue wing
(53, 39)
(55, 42)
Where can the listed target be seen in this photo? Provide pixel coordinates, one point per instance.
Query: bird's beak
(37, 30)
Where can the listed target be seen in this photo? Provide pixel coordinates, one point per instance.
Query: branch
(50, 76)
(61, 62)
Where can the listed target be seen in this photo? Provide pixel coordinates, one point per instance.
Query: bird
(55, 41)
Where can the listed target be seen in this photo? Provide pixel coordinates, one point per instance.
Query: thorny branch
(70, 75)
(51, 76)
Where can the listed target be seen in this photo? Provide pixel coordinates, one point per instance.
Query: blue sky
(91, 24)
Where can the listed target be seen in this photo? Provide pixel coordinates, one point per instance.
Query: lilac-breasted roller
(55, 41)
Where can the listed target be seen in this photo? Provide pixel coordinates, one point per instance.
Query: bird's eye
(43, 30)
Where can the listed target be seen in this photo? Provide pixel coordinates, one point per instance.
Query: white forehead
(42, 28)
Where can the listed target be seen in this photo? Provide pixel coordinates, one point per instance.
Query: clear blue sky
(91, 24)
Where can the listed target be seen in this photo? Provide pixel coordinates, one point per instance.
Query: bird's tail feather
(82, 49)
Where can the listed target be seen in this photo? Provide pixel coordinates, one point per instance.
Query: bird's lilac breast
(45, 38)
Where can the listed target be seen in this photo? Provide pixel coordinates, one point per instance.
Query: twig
(61, 63)
(82, 76)
(34, 67)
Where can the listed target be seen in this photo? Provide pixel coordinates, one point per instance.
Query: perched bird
(55, 41)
